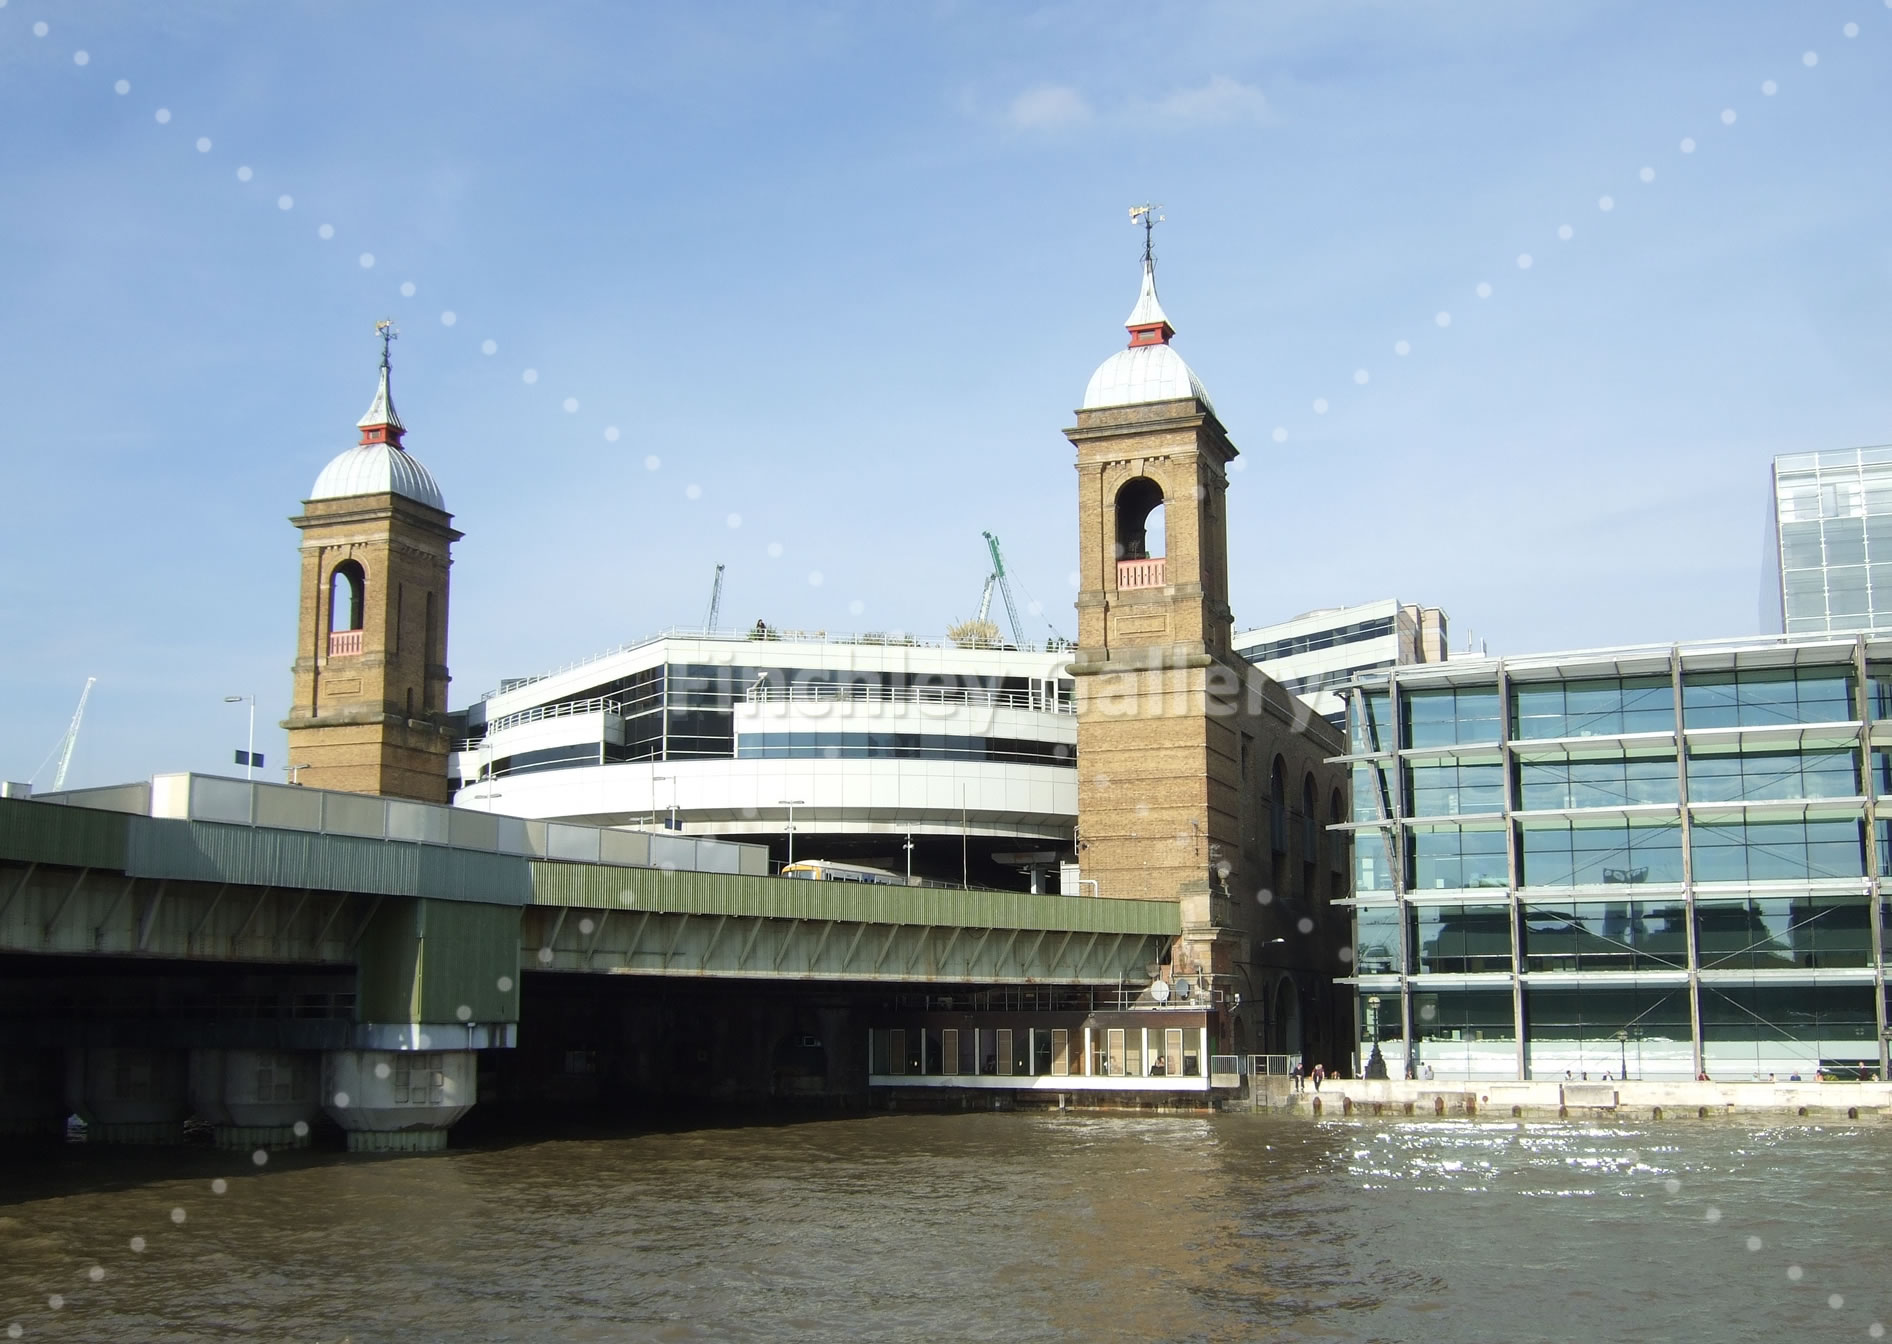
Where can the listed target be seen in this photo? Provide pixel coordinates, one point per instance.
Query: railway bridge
(250, 953)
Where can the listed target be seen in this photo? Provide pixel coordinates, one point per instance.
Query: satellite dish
(1159, 990)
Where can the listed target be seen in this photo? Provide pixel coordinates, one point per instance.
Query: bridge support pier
(255, 1098)
(128, 1095)
(398, 1101)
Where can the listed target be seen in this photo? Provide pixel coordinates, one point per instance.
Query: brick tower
(1170, 722)
(370, 706)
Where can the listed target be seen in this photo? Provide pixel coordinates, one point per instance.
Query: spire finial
(1146, 215)
(1147, 324)
(381, 424)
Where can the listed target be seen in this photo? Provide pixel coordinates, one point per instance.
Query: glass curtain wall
(1498, 854)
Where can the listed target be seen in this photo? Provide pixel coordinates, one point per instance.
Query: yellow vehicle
(823, 870)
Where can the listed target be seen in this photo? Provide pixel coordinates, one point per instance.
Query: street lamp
(249, 756)
(1622, 1055)
(791, 804)
(909, 849)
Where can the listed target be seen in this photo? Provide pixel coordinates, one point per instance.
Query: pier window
(1173, 1052)
(1060, 1051)
(1601, 853)
(1769, 851)
(1605, 936)
(1113, 1052)
(1595, 707)
(1461, 939)
(1760, 696)
(1002, 1052)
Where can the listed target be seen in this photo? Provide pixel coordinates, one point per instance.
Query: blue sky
(841, 271)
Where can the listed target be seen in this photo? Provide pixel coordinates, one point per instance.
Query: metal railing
(842, 693)
(898, 639)
(1142, 573)
(343, 642)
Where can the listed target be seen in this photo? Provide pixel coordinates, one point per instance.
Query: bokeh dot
(1769, 88)
(1525, 261)
(775, 550)
(693, 491)
(610, 433)
(489, 347)
(1606, 203)
(407, 289)
(1402, 347)
(652, 462)
(85, 57)
(163, 115)
(1320, 405)
(96, 1273)
(734, 520)
(219, 1186)
(138, 1244)
(530, 376)
(571, 405)
(326, 232)
(1755, 1243)
(1796, 1273)
(1851, 30)
(1565, 232)
(1688, 144)
(1484, 290)
(1672, 1185)
(122, 87)
(260, 1157)
(1835, 1301)
(1727, 116)
(816, 578)
(367, 261)
(1647, 174)
(464, 1012)
(178, 1215)
(1811, 59)
(245, 173)
(1361, 376)
(448, 318)
(285, 202)
(1442, 319)
(203, 144)
(1280, 434)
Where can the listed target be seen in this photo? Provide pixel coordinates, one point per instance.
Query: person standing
(1320, 1072)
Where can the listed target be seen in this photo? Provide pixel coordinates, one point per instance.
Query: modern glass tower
(1661, 860)
(1830, 561)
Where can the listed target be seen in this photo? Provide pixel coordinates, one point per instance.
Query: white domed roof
(378, 469)
(1143, 373)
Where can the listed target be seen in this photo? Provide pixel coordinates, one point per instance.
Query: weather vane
(385, 328)
(1146, 216)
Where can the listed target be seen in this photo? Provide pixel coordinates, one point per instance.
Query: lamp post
(249, 754)
(909, 849)
(791, 804)
(1622, 1055)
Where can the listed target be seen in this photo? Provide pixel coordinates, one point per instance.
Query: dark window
(348, 588)
(1140, 519)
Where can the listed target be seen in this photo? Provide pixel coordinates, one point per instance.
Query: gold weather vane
(386, 330)
(1147, 216)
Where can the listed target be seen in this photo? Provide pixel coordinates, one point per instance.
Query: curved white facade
(970, 753)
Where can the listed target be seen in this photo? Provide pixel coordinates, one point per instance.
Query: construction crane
(716, 602)
(72, 737)
(1005, 589)
(985, 598)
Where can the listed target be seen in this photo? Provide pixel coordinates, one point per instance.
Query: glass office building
(1658, 861)
(1829, 567)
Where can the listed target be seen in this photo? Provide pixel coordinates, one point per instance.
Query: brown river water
(1011, 1227)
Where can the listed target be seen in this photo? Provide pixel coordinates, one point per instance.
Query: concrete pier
(398, 1101)
(1618, 1099)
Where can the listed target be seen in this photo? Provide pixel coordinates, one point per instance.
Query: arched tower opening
(1140, 531)
(347, 605)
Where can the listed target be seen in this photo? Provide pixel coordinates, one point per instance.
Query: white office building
(1318, 652)
(881, 751)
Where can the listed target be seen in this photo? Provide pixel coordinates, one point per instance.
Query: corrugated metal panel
(213, 852)
(467, 953)
(717, 894)
(76, 837)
